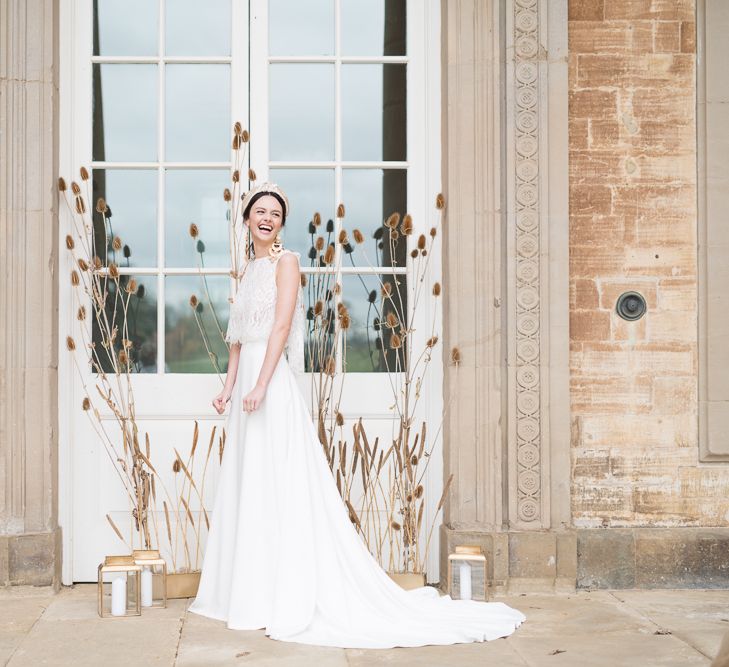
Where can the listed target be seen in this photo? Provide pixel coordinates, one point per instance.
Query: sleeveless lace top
(254, 307)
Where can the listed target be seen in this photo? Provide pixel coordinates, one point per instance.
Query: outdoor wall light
(631, 306)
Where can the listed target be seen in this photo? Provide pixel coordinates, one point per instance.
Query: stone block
(590, 325)
(586, 10)
(592, 103)
(583, 294)
(32, 559)
(605, 558)
(660, 10)
(4, 560)
(688, 37)
(532, 555)
(666, 37)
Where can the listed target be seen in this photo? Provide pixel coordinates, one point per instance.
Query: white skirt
(282, 554)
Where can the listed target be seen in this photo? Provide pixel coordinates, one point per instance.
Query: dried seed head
(82, 264)
(101, 206)
(386, 289)
(303, 280)
(236, 176)
(421, 241)
(176, 467)
(81, 313)
(340, 307)
(393, 220)
(391, 320)
(395, 525)
(226, 195)
(455, 356)
(419, 491)
(84, 174)
(75, 280)
(132, 286)
(423, 252)
(236, 142)
(436, 289)
(80, 205)
(113, 270)
(244, 137)
(75, 188)
(86, 403)
(440, 202)
(238, 128)
(414, 253)
(339, 418)
(194, 231)
(97, 262)
(123, 358)
(407, 225)
(117, 243)
(317, 218)
(319, 243)
(343, 237)
(345, 321)
(193, 301)
(61, 185)
(432, 341)
(329, 255)
(414, 460)
(69, 242)
(70, 344)
(340, 211)
(394, 235)
(337, 288)
(358, 236)
(395, 341)
(433, 232)
(251, 175)
(318, 307)
(330, 366)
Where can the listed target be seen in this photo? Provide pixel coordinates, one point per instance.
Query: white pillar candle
(119, 595)
(464, 571)
(146, 586)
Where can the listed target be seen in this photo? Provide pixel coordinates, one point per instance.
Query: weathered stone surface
(605, 558)
(32, 559)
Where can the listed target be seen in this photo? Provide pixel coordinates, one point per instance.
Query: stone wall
(633, 220)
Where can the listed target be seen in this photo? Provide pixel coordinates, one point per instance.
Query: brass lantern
(119, 587)
(153, 577)
(467, 578)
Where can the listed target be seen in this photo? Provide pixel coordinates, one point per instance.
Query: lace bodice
(253, 310)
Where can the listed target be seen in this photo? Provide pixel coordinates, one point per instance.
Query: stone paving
(641, 628)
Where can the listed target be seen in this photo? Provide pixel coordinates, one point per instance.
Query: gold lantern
(467, 578)
(153, 577)
(119, 587)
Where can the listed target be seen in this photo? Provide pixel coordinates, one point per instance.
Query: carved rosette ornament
(526, 139)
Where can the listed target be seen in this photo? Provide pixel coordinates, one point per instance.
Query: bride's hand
(253, 400)
(219, 403)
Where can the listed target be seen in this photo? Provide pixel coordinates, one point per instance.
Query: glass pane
(197, 114)
(196, 197)
(126, 27)
(301, 112)
(191, 332)
(320, 320)
(309, 191)
(141, 323)
(301, 28)
(373, 112)
(193, 28)
(125, 113)
(367, 336)
(373, 28)
(371, 196)
(131, 198)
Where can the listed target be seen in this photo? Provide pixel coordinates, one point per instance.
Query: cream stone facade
(587, 450)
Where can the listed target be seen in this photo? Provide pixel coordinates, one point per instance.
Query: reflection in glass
(196, 196)
(131, 197)
(197, 29)
(373, 27)
(188, 349)
(371, 196)
(125, 113)
(197, 113)
(141, 323)
(371, 343)
(128, 28)
(301, 28)
(309, 191)
(373, 112)
(301, 112)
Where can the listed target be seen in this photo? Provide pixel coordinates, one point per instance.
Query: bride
(282, 553)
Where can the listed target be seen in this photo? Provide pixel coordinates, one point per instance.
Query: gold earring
(277, 248)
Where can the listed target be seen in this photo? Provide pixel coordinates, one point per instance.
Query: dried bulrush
(407, 225)
(226, 195)
(317, 219)
(319, 243)
(117, 243)
(395, 342)
(238, 129)
(82, 264)
(329, 255)
(386, 289)
(86, 404)
(251, 175)
(75, 188)
(431, 341)
(455, 356)
(440, 202)
(193, 230)
(244, 137)
(70, 344)
(433, 232)
(80, 206)
(358, 236)
(75, 280)
(340, 211)
(392, 221)
(113, 270)
(436, 289)
(84, 174)
(69, 242)
(81, 313)
(61, 185)
(236, 176)
(421, 242)
(343, 237)
(101, 206)
(131, 286)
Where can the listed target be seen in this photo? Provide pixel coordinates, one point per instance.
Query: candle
(146, 586)
(464, 571)
(119, 595)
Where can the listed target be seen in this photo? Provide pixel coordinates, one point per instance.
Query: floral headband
(270, 188)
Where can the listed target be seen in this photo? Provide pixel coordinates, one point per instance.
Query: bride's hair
(257, 196)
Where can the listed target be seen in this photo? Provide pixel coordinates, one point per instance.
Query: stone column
(29, 534)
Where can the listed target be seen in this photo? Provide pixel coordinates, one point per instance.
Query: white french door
(342, 107)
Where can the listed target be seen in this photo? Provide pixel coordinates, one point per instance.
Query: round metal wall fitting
(631, 306)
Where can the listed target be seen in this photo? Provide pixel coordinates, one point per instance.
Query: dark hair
(257, 196)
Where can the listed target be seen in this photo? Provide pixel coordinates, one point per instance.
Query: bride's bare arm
(222, 398)
(287, 285)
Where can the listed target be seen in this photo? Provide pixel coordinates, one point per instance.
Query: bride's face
(265, 219)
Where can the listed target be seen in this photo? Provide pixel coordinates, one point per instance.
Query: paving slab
(17, 617)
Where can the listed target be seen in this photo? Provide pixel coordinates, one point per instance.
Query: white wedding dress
(282, 553)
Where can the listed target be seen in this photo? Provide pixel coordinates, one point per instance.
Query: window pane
(131, 197)
(301, 28)
(141, 324)
(125, 113)
(197, 109)
(301, 112)
(126, 28)
(196, 196)
(368, 308)
(309, 191)
(188, 330)
(194, 28)
(370, 196)
(373, 28)
(373, 112)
